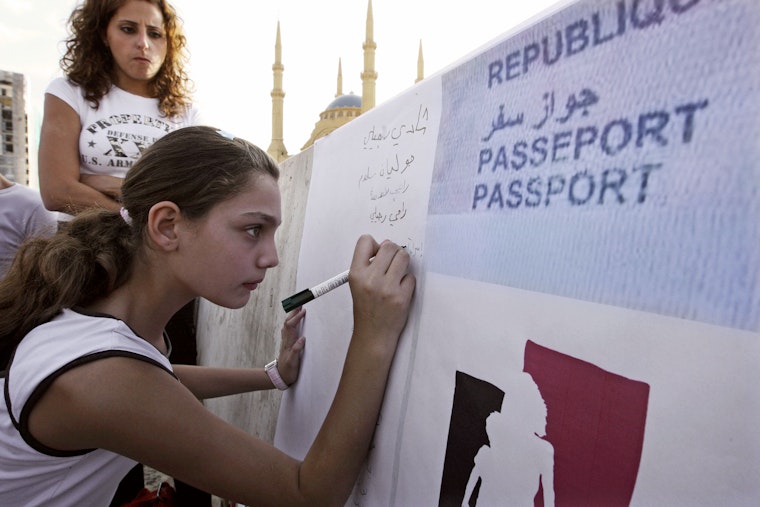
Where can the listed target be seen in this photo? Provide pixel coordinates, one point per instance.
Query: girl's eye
(254, 231)
(127, 29)
(156, 35)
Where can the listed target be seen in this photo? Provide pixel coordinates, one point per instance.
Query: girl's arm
(58, 168)
(205, 382)
(138, 410)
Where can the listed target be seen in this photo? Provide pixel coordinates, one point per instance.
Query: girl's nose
(269, 257)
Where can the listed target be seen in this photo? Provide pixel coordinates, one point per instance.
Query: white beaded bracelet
(274, 376)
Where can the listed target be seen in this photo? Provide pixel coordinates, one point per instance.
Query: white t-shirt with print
(124, 125)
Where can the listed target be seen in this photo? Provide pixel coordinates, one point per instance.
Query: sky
(231, 51)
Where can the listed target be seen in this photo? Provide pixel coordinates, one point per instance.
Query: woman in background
(125, 86)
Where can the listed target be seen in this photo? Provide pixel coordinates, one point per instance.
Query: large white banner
(582, 201)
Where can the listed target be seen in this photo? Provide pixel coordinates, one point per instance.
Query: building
(343, 108)
(14, 138)
(338, 112)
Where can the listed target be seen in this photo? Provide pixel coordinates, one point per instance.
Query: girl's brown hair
(195, 167)
(88, 61)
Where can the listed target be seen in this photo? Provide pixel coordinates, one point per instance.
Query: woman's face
(137, 40)
(226, 254)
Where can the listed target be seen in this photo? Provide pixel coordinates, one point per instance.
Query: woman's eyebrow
(131, 22)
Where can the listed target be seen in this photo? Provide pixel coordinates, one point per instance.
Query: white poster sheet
(370, 177)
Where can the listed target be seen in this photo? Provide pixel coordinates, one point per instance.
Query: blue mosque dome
(349, 100)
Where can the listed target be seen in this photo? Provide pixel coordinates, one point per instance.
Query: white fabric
(22, 215)
(29, 477)
(124, 125)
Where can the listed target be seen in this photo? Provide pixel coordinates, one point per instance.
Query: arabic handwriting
(378, 216)
(386, 181)
(376, 195)
(401, 189)
(376, 136)
(390, 169)
(413, 248)
(399, 214)
(366, 176)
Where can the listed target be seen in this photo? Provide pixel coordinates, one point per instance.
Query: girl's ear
(163, 219)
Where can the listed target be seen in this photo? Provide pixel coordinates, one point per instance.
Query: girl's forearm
(206, 382)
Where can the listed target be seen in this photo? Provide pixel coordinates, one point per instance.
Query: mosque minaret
(369, 76)
(277, 148)
(420, 65)
(340, 79)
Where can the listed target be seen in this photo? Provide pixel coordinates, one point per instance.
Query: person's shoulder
(28, 204)
(61, 83)
(68, 91)
(190, 116)
(88, 329)
(23, 193)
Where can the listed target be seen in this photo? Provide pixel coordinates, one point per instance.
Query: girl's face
(137, 40)
(225, 255)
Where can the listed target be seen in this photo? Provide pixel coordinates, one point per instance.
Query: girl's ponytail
(87, 259)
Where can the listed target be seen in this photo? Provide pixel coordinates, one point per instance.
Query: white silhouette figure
(518, 459)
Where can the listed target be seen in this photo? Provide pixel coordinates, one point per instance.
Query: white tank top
(30, 473)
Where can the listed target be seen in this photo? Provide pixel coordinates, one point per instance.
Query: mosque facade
(343, 108)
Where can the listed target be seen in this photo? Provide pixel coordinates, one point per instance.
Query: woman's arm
(205, 382)
(104, 183)
(60, 187)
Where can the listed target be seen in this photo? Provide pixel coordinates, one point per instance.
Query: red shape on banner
(595, 423)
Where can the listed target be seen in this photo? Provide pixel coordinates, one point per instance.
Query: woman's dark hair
(88, 61)
(195, 167)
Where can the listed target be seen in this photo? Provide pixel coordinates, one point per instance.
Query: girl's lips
(251, 285)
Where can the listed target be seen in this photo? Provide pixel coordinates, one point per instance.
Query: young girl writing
(88, 388)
